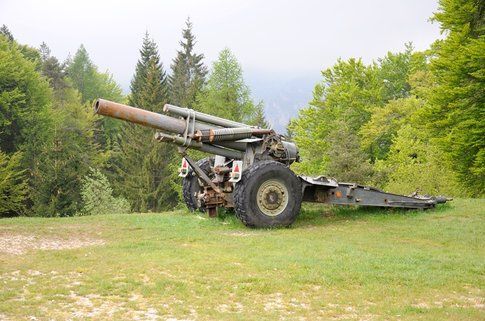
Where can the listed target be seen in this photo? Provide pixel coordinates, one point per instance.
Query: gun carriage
(250, 170)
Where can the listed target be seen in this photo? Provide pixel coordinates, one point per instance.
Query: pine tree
(259, 118)
(226, 94)
(6, 32)
(143, 165)
(81, 71)
(97, 196)
(188, 71)
(346, 161)
(148, 52)
(52, 69)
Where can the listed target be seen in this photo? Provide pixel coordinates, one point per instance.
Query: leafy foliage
(24, 99)
(67, 150)
(414, 163)
(13, 185)
(342, 103)
(97, 196)
(25, 117)
(456, 100)
(379, 132)
(393, 71)
(92, 84)
(66, 157)
(226, 95)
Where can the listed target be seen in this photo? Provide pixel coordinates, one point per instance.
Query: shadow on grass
(313, 214)
(323, 214)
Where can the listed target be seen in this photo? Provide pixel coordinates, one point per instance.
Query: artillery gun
(249, 171)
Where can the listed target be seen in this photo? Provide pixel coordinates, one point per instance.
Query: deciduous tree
(93, 84)
(13, 185)
(456, 110)
(226, 94)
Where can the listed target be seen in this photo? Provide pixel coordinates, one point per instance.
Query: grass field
(333, 264)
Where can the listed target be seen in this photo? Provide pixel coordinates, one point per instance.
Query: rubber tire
(245, 195)
(190, 184)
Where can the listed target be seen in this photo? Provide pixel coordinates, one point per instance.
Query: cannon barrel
(139, 116)
(155, 120)
(229, 153)
(185, 112)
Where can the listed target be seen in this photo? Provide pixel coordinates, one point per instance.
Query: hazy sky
(275, 41)
(267, 36)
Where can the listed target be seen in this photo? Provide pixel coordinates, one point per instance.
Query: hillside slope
(341, 264)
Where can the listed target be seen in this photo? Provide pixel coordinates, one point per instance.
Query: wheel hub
(272, 197)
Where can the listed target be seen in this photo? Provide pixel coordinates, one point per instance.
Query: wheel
(268, 195)
(191, 186)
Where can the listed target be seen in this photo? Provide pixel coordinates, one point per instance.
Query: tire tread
(241, 203)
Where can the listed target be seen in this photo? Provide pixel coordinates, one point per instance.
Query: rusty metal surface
(221, 170)
(139, 116)
(212, 200)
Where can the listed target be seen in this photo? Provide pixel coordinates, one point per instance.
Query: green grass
(341, 264)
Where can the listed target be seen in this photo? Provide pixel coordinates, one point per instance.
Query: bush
(414, 163)
(97, 196)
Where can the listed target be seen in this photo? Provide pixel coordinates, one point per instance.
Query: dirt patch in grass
(473, 299)
(18, 244)
(239, 234)
(95, 306)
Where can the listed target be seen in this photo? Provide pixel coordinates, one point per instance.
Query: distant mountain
(283, 94)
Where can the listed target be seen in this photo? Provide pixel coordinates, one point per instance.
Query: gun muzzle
(139, 116)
